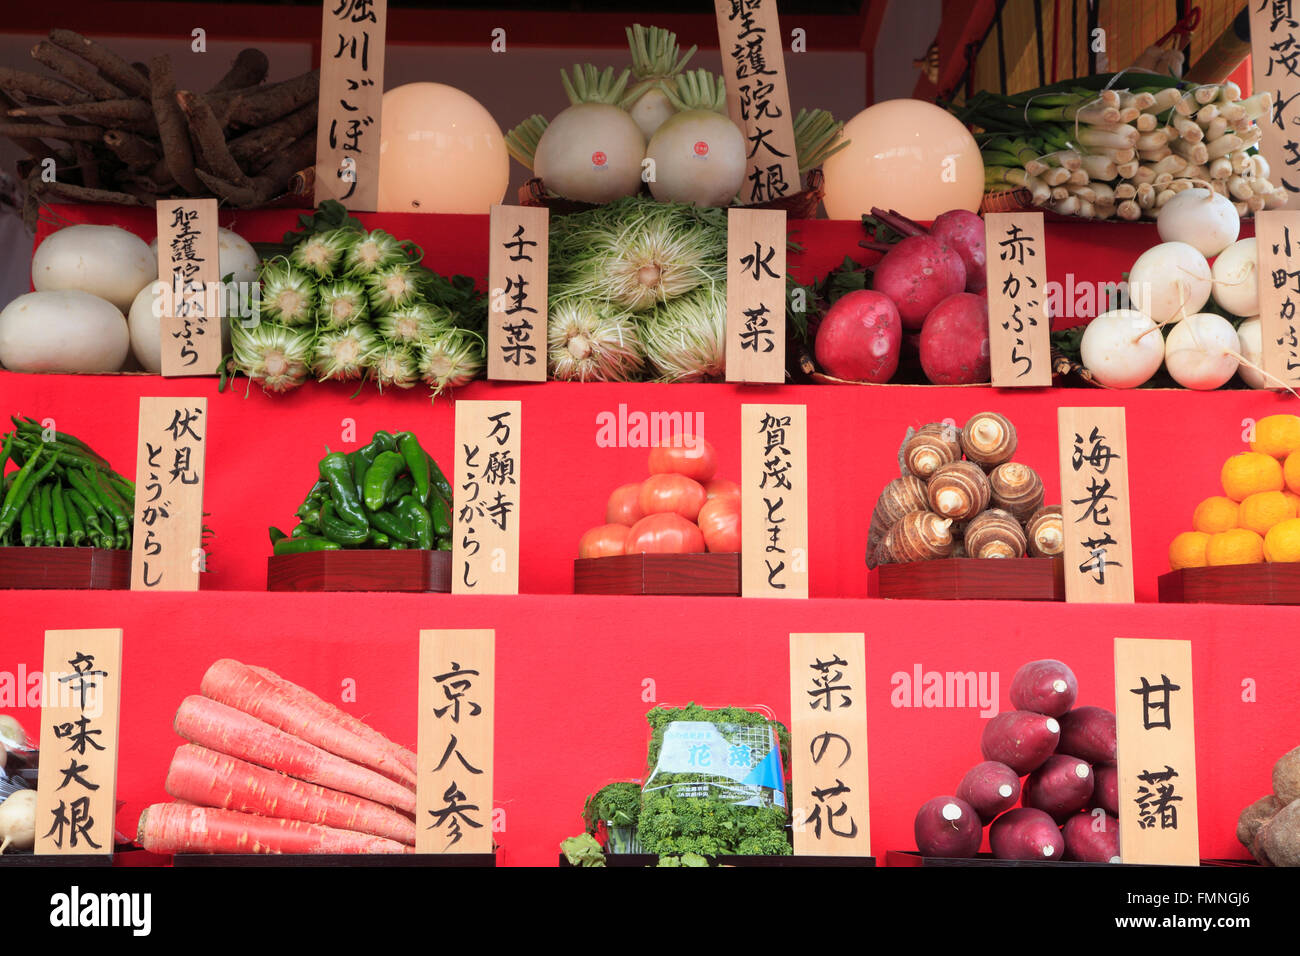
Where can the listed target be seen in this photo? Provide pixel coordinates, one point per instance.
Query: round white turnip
(955, 341)
(1251, 336)
(1202, 351)
(918, 274)
(1201, 218)
(64, 331)
(591, 152)
(1122, 348)
(699, 157)
(1170, 282)
(1236, 278)
(105, 261)
(860, 337)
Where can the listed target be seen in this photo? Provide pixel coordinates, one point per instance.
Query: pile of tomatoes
(680, 509)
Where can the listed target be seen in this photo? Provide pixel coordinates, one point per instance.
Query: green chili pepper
(401, 488)
(60, 515)
(122, 515)
(276, 534)
(336, 469)
(398, 546)
(122, 541)
(18, 492)
(440, 482)
(411, 511)
(305, 544)
(440, 512)
(304, 531)
(378, 539)
(393, 526)
(5, 450)
(28, 524)
(76, 527)
(87, 512)
(444, 544)
(381, 477)
(417, 463)
(47, 515)
(384, 441)
(336, 529)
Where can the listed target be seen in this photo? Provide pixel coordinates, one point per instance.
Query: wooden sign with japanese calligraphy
(1019, 327)
(758, 97)
(350, 106)
(774, 501)
(1274, 36)
(167, 537)
(189, 268)
(76, 796)
(756, 295)
(1277, 241)
(485, 525)
(517, 263)
(1157, 752)
(453, 788)
(828, 745)
(1095, 505)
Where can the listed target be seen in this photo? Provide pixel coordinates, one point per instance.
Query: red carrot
(210, 779)
(177, 828)
(237, 734)
(237, 685)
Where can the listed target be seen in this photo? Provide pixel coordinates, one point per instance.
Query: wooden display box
(65, 568)
(711, 574)
(378, 570)
(971, 579)
(336, 860)
(1232, 584)
(649, 859)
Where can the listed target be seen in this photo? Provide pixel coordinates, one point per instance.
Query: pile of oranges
(1257, 518)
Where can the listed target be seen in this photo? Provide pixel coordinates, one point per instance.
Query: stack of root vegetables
(1067, 757)
(272, 768)
(1270, 827)
(1123, 153)
(944, 506)
(123, 132)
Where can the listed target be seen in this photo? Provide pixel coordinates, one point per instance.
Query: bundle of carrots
(100, 129)
(272, 768)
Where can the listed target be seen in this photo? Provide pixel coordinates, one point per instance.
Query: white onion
(1201, 218)
(1122, 348)
(1202, 351)
(1236, 278)
(591, 152)
(1251, 335)
(103, 260)
(1169, 282)
(65, 331)
(699, 157)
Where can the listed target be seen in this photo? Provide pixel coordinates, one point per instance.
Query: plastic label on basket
(738, 763)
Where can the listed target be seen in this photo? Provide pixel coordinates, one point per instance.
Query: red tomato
(675, 493)
(695, 460)
(720, 488)
(665, 534)
(622, 507)
(604, 540)
(720, 524)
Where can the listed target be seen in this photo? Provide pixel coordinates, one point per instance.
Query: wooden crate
(1232, 584)
(378, 570)
(66, 568)
(971, 579)
(712, 574)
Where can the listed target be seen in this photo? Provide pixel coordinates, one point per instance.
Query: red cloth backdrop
(577, 674)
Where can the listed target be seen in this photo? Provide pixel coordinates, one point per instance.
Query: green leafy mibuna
(276, 356)
(342, 302)
(288, 295)
(395, 365)
(371, 252)
(589, 343)
(413, 323)
(330, 214)
(685, 340)
(676, 826)
(344, 354)
(321, 254)
(392, 287)
(450, 359)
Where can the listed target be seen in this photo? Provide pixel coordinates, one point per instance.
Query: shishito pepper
(335, 469)
(401, 488)
(440, 511)
(305, 544)
(414, 513)
(393, 526)
(381, 477)
(417, 463)
(336, 529)
(440, 483)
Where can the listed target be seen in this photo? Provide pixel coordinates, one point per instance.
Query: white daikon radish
(1201, 218)
(1170, 281)
(591, 152)
(103, 260)
(18, 821)
(1202, 351)
(1251, 336)
(65, 331)
(1236, 278)
(1122, 348)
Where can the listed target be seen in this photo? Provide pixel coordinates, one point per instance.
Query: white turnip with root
(1251, 336)
(1236, 278)
(1122, 348)
(1203, 351)
(1170, 281)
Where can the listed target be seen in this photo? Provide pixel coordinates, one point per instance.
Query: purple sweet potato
(1091, 838)
(1026, 834)
(1105, 788)
(1045, 687)
(990, 787)
(1061, 787)
(948, 827)
(1020, 739)
(1089, 734)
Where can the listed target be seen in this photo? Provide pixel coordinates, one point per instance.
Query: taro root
(994, 534)
(958, 490)
(931, 447)
(901, 496)
(988, 439)
(1046, 532)
(919, 536)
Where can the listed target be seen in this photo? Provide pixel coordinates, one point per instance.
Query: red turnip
(964, 232)
(955, 341)
(917, 274)
(859, 338)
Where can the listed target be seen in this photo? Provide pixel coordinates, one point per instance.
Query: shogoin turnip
(1122, 348)
(1170, 282)
(955, 341)
(859, 338)
(1203, 351)
(918, 274)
